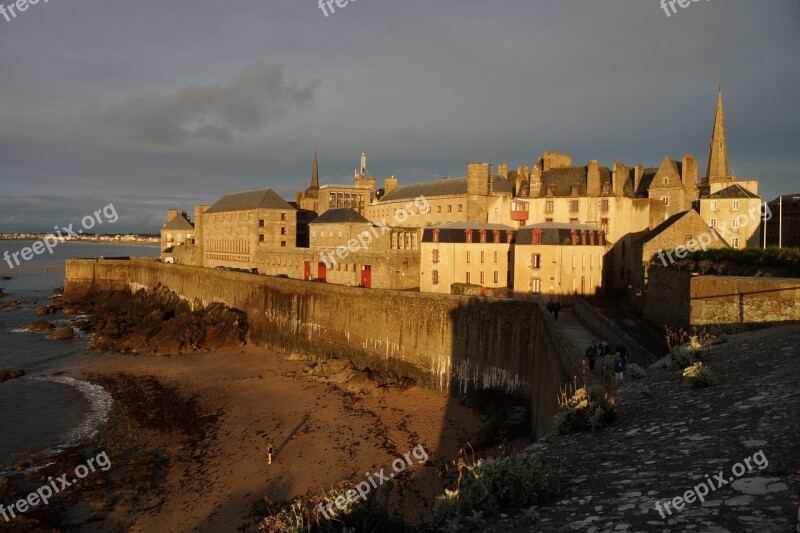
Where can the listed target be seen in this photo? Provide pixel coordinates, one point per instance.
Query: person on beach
(269, 453)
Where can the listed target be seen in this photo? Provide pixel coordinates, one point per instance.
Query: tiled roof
(340, 216)
(178, 223)
(441, 187)
(242, 201)
(733, 191)
(554, 233)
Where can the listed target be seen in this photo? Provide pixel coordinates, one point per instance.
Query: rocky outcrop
(3, 294)
(10, 306)
(158, 322)
(5, 375)
(40, 325)
(62, 334)
(50, 309)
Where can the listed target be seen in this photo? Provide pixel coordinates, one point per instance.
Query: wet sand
(255, 397)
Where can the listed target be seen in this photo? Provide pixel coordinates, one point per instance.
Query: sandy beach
(246, 398)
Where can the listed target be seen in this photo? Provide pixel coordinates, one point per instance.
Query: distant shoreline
(82, 240)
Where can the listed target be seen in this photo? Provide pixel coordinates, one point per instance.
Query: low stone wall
(609, 331)
(446, 343)
(720, 303)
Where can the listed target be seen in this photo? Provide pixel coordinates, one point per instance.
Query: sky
(149, 105)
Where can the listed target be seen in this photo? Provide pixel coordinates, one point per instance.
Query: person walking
(556, 309)
(591, 355)
(269, 453)
(619, 369)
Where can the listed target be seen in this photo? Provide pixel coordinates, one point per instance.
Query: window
(536, 286)
(536, 261)
(283, 231)
(283, 216)
(604, 205)
(735, 205)
(573, 221)
(713, 223)
(435, 256)
(435, 277)
(468, 277)
(438, 209)
(604, 225)
(536, 236)
(689, 238)
(665, 199)
(496, 236)
(483, 257)
(283, 244)
(573, 191)
(449, 208)
(260, 222)
(260, 237)
(469, 236)
(713, 205)
(495, 256)
(665, 181)
(468, 256)
(496, 277)
(460, 208)
(735, 242)
(549, 206)
(550, 219)
(606, 188)
(735, 223)
(574, 205)
(550, 190)
(436, 235)
(483, 235)
(482, 280)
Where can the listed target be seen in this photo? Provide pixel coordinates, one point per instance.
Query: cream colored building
(177, 231)
(557, 261)
(469, 253)
(735, 213)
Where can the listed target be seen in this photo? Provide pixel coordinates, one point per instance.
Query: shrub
(634, 371)
(491, 485)
(699, 376)
(586, 409)
(683, 356)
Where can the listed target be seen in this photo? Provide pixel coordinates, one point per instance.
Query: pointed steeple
(718, 154)
(315, 171)
(313, 191)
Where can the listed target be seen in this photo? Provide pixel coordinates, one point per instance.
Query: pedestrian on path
(556, 309)
(591, 355)
(269, 453)
(619, 369)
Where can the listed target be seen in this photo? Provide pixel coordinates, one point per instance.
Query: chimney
(389, 184)
(618, 178)
(593, 178)
(637, 179)
(689, 172)
(171, 213)
(502, 170)
(536, 181)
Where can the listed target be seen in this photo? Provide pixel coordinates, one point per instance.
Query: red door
(307, 270)
(366, 276)
(322, 271)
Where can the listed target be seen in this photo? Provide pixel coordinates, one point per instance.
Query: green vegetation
(490, 486)
(699, 376)
(635, 371)
(755, 262)
(586, 409)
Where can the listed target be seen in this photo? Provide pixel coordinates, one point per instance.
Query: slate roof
(562, 180)
(178, 223)
(243, 201)
(441, 187)
(456, 232)
(733, 191)
(344, 215)
(553, 233)
(661, 228)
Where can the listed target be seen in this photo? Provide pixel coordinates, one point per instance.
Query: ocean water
(50, 408)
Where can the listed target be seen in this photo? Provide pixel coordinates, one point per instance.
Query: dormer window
(574, 190)
(550, 190)
(483, 235)
(606, 188)
(469, 235)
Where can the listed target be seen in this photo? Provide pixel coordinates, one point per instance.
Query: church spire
(315, 171)
(718, 153)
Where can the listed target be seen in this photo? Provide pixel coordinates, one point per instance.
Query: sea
(51, 408)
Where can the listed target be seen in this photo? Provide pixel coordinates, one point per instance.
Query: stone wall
(609, 331)
(446, 343)
(720, 303)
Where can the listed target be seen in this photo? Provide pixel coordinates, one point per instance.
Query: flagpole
(780, 223)
(764, 221)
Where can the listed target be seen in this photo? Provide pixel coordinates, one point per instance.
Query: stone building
(553, 260)
(785, 222)
(358, 196)
(735, 213)
(687, 229)
(177, 231)
(467, 253)
(240, 226)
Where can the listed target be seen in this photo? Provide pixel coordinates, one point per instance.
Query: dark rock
(62, 334)
(3, 294)
(40, 326)
(5, 375)
(10, 306)
(5, 278)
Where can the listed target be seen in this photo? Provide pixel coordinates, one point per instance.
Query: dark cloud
(215, 112)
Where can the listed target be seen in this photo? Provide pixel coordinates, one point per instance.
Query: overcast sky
(152, 104)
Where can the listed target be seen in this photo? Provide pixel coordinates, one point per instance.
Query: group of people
(612, 362)
(554, 308)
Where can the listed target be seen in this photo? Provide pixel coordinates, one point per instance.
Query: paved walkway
(576, 338)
